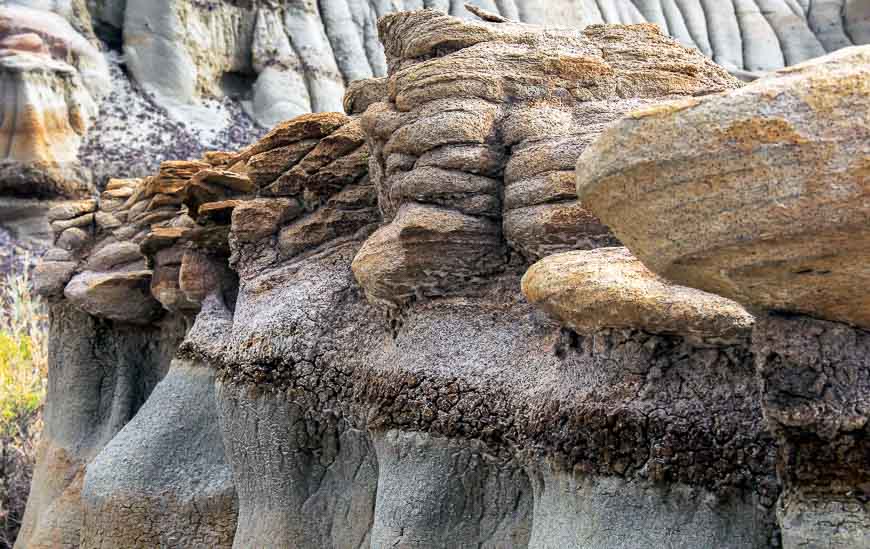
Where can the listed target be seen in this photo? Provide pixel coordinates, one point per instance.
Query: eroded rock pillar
(441, 492)
(164, 478)
(100, 373)
(304, 479)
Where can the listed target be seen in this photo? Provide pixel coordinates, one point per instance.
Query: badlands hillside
(522, 273)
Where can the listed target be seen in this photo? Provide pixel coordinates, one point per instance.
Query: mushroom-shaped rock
(122, 296)
(610, 288)
(760, 194)
(46, 112)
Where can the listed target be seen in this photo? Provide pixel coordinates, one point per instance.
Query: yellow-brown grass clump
(23, 370)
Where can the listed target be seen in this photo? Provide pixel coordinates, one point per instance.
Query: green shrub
(23, 371)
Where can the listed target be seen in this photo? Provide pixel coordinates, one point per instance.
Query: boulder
(121, 296)
(50, 277)
(427, 251)
(609, 288)
(759, 194)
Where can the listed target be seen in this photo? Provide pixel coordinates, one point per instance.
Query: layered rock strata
(361, 341)
(184, 76)
(760, 195)
(47, 108)
(472, 153)
(150, 253)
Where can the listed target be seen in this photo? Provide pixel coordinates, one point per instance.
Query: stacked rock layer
(195, 74)
(344, 354)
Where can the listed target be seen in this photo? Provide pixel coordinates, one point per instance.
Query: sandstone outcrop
(359, 340)
(760, 195)
(126, 85)
(482, 161)
(780, 167)
(52, 80)
(148, 255)
(47, 109)
(610, 288)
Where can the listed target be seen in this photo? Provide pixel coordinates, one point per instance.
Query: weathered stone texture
(759, 195)
(483, 125)
(815, 383)
(100, 374)
(359, 366)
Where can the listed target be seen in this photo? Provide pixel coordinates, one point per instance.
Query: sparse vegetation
(23, 370)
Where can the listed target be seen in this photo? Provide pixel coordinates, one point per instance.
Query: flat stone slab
(122, 296)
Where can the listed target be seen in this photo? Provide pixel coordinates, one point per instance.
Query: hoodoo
(535, 286)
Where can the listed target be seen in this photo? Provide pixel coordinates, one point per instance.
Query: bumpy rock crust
(815, 382)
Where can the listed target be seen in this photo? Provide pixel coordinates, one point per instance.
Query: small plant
(23, 373)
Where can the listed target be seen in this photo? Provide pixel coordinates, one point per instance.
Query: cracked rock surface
(343, 355)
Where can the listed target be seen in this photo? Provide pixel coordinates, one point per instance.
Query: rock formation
(47, 109)
(791, 222)
(409, 324)
(185, 76)
(577, 288)
(760, 195)
(321, 341)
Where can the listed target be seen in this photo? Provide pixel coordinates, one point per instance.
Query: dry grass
(23, 371)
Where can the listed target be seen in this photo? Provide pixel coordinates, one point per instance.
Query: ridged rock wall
(356, 352)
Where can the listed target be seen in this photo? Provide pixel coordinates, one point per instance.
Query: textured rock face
(760, 195)
(815, 377)
(47, 106)
(208, 74)
(100, 375)
(164, 479)
(780, 166)
(151, 253)
(359, 366)
(474, 149)
(463, 417)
